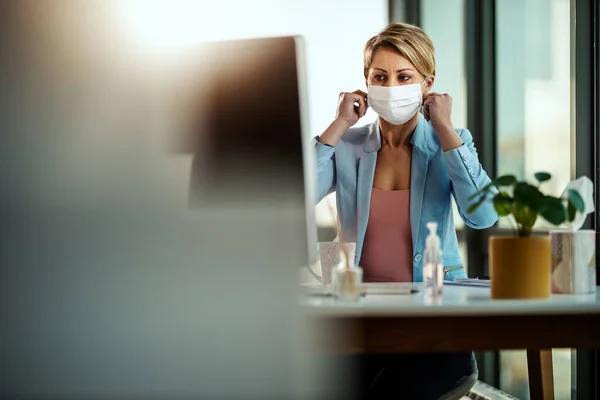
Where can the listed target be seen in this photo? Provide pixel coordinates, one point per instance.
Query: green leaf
(553, 210)
(528, 195)
(576, 200)
(524, 216)
(571, 211)
(483, 191)
(475, 206)
(487, 187)
(542, 177)
(503, 204)
(506, 180)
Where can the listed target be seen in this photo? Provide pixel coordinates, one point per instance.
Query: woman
(394, 176)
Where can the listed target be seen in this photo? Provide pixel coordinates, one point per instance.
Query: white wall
(335, 32)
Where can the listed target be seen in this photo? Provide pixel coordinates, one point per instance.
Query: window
(533, 86)
(533, 91)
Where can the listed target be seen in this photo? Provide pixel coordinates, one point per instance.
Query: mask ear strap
(424, 81)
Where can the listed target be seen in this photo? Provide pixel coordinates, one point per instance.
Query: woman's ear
(428, 84)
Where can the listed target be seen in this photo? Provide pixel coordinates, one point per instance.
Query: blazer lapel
(417, 190)
(364, 187)
(418, 176)
(366, 173)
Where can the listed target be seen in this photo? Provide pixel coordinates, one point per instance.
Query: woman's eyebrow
(400, 70)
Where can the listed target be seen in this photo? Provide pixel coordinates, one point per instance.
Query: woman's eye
(379, 78)
(404, 78)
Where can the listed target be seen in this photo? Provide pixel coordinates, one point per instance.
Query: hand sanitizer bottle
(433, 266)
(346, 280)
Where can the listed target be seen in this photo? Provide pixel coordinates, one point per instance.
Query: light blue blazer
(349, 168)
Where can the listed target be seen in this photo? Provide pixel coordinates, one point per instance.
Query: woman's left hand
(437, 108)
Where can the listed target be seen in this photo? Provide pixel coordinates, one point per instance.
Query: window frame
(480, 63)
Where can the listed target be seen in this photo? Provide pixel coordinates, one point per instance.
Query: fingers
(437, 109)
(353, 105)
(360, 92)
(432, 98)
(359, 98)
(362, 106)
(427, 100)
(428, 97)
(366, 102)
(437, 101)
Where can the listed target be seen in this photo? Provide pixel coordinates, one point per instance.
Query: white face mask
(396, 104)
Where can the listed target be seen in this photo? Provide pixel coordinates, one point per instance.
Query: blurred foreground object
(111, 286)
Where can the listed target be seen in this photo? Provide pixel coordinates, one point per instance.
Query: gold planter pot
(520, 267)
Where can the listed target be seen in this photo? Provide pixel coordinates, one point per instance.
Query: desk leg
(541, 382)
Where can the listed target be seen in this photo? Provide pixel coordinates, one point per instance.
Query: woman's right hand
(352, 107)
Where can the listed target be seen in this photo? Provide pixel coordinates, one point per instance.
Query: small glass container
(346, 281)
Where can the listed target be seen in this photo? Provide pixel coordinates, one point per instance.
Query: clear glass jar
(346, 281)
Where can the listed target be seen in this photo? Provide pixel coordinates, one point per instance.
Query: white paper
(585, 188)
(468, 282)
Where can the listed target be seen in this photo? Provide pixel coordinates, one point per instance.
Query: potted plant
(520, 265)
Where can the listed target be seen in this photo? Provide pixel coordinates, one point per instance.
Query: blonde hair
(408, 40)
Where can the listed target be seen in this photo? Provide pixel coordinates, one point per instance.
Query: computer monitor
(248, 118)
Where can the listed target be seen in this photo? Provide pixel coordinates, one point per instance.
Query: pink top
(387, 247)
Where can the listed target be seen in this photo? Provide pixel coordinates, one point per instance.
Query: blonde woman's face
(388, 68)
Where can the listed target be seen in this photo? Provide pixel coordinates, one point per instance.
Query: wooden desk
(465, 319)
